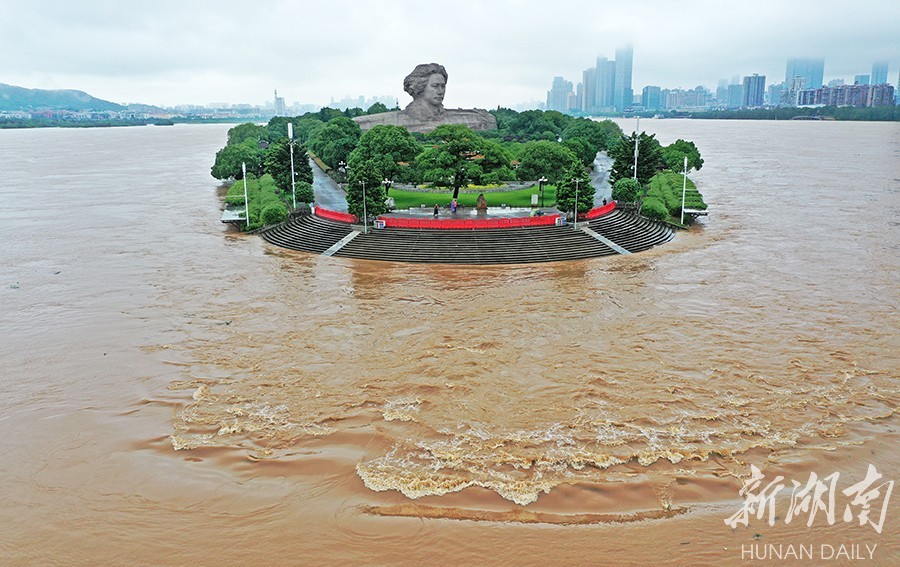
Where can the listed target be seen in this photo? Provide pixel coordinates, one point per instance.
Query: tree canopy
(673, 155)
(601, 135)
(626, 190)
(649, 158)
(247, 131)
(546, 159)
(333, 142)
(566, 189)
(383, 149)
(278, 165)
(229, 160)
(458, 156)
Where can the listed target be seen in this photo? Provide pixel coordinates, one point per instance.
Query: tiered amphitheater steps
(307, 233)
(631, 231)
(484, 246)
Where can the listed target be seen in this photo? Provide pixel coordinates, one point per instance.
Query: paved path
(605, 240)
(600, 179)
(328, 193)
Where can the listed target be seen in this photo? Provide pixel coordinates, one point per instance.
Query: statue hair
(415, 82)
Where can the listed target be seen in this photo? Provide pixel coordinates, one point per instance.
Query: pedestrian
(453, 206)
(436, 209)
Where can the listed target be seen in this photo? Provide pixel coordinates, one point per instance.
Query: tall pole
(246, 201)
(542, 180)
(637, 142)
(293, 180)
(365, 214)
(575, 218)
(683, 189)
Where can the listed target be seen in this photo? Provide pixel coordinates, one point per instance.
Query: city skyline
(195, 54)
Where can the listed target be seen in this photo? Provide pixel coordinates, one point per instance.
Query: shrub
(274, 213)
(654, 208)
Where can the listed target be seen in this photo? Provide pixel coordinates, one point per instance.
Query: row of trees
(526, 146)
(658, 167)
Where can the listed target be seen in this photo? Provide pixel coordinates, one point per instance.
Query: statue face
(434, 90)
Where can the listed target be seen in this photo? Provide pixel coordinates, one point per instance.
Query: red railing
(598, 211)
(464, 224)
(335, 215)
(468, 224)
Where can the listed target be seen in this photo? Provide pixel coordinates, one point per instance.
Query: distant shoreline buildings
(606, 89)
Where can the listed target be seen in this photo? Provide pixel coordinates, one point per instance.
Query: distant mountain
(18, 98)
(145, 109)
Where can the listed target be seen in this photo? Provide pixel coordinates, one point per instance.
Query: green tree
(243, 132)
(649, 158)
(377, 108)
(327, 114)
(229, 159)
(278, 165)
(365, 182)
(626, 190)
(334, 142)
(545, 159)
(382, 150)
(566, 189)
(673, 155)
(456, 157)
(583, 149)
(532, 125)
(601, 135)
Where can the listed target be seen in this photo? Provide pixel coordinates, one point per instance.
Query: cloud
(497, 53)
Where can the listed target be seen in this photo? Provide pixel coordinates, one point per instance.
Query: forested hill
(19, 98)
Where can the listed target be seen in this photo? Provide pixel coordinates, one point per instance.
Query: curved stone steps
(307, 233)
(630, 231)
(485, 246)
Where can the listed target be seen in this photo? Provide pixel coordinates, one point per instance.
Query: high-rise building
(811, 70)
(849, 95)
(651, 98)
(606, 84)
(280, 109)
(753, 94)
(722, 92)
(879, 72)
(558, 95)
(589, 90)
(623, 91)
(735, 96)
(860, 79)
(775, 94)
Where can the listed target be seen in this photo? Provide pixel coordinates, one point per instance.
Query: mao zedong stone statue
(427, 84)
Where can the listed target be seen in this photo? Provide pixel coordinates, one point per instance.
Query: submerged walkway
(620, 232)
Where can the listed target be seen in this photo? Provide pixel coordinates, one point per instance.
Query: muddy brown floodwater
(174, 392)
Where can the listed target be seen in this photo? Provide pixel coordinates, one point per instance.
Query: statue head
(427, 84)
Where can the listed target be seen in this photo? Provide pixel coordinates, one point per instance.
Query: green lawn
(520, 198)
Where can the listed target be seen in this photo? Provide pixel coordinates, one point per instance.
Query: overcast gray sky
(497, 52)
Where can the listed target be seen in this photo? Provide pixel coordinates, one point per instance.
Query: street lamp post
(246, 201)
(365, 214)
(541, 181)
(290, 127)
(683, 189)
(637, 142)
(575, 218)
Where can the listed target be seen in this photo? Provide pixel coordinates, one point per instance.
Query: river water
(173, 392)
